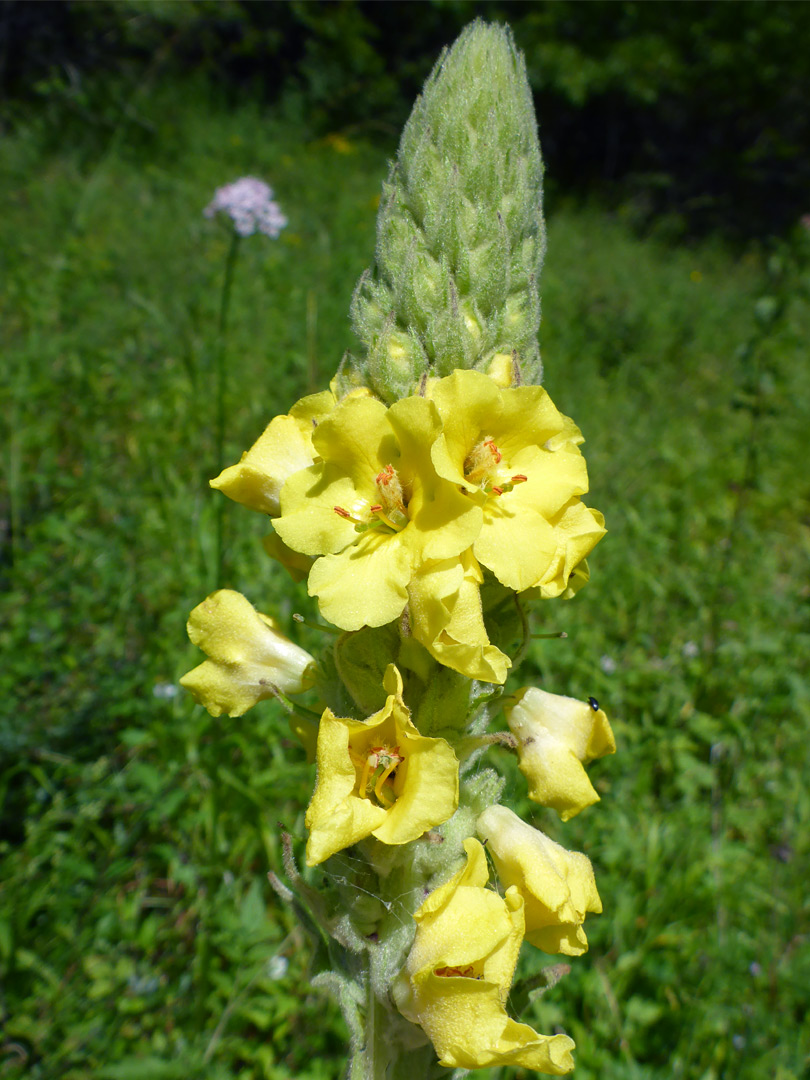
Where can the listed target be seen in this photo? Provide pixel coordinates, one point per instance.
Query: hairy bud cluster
(460, 237)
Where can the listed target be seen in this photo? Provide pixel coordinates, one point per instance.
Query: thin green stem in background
(221, 391)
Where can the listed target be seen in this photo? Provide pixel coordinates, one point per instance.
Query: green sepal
(361, 659)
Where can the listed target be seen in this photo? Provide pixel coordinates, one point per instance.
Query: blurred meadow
(139, 937)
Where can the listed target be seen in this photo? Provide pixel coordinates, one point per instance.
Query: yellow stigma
(378, 768)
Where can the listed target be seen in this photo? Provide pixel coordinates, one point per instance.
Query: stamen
(378, 786)
(365, 774)
(482, 459)
(466, 972)
(390, 488)
(387, 520)
(489, 443)
(378, 757)
(386, 476)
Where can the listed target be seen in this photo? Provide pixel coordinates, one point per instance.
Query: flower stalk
(221, 395)
(430, 497)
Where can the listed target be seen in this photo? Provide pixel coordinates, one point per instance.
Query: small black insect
(594, 704)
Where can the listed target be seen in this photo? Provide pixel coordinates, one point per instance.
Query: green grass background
(138, 935)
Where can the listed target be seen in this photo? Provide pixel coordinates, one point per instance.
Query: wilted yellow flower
(557, 886)
(558, 736)
(446, 617)
(249, 658)
(378, 777)
(373, 507)
(282, 449)
(456, 980)
(518, 458)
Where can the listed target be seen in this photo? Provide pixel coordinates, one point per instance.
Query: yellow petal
(336, 818)
(502, 369)
(517, 544)
(457, 976)
(364, 585)
(557, 736)
(577, 531)
(429, 793)
(357, 439)
(469, 403)
(530, 418)
(281, 450)
(309, 522)
(249, 659)
(465, 1020)
(446, 617)
(557, 886)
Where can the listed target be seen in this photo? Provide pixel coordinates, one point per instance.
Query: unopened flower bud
(249, 660)
(558, 736)
(460, 235)
(557, 886)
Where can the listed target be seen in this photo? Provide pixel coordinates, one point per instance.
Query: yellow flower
(249, 658)
(446, 617)
(557, 886)
(558, 736)
(378, 777)
(518, 458)
(373, 507)
(282, 449)
(456, 980)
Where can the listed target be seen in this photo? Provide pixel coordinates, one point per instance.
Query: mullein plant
(429, 496)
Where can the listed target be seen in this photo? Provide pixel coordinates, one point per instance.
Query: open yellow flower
(456, 980)
(557, 737)
(446, 617)
(557, 886)
(374, 508)
(249, 658)
(284, 447)
(378, 777)
(517, 458)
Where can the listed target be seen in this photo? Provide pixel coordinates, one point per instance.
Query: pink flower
(250, 205)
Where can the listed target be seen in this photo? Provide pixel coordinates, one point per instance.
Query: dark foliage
(694, 112)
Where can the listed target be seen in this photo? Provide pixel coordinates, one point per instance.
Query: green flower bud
(460, 235)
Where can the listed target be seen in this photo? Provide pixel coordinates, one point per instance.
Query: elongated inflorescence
(428, 497)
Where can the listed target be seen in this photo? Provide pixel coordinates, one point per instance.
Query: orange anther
(490, 444)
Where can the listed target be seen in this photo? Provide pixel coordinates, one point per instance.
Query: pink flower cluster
(250, 205)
